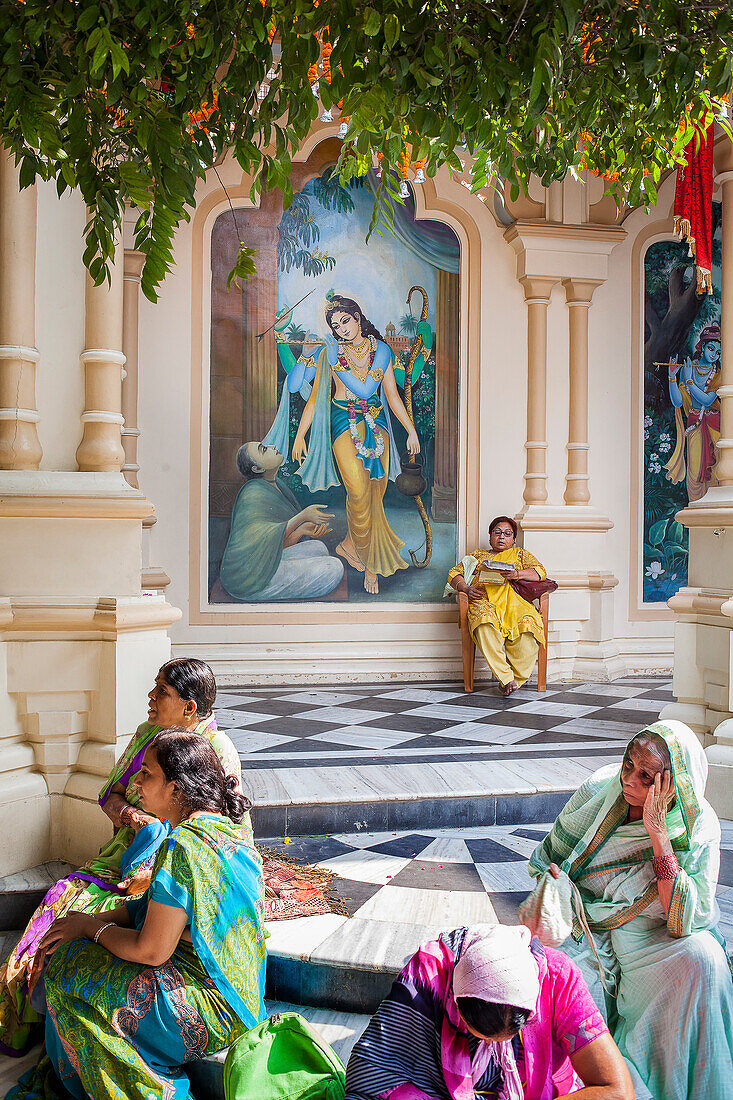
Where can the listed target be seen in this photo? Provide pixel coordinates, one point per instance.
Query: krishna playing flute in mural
(349, 487)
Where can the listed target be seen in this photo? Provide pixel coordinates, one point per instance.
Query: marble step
(416, 806)
(21, 893)
(339, 1029)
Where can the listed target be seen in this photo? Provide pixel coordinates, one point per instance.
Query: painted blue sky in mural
(378, 274)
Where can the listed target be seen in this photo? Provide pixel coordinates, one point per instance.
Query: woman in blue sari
(135, 993)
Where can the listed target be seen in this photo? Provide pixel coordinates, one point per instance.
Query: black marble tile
(485, 850)
(411, 845)
(442, 813)
(309, 849)
(390, 706)
(274, 705)
(410, 723)
(318, 819)
(580, 699)
(426, 875)
(444, 740)
(268, 820)
(551, 737)
(634, 718)
(293, 727)
(300, 744)
(352, 893)
(505, 905)
(523, 720)
(530, 834)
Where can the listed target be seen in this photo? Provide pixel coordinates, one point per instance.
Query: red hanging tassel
(693, 203)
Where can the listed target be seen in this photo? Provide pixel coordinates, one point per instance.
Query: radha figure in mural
(347, 414)
(692, 387)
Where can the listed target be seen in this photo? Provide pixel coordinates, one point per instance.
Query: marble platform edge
(339, 1029)
(450, 811)
(22, 893)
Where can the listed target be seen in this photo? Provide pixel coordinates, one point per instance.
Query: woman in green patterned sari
(643, 847)
(183, 695)
(136, 993)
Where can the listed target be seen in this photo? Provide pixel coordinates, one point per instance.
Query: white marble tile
(344, 716)
(372, 738)
(561, 710)
(324, 698)
(364, 866)
(452, 711)
(505, 876)
(648, 706)
(36, 878)
(601, 728)
(339, 1029)
(250, 741)
(438, 909)
(368, 840)
(227, 699)
(447, 850)
(488, 733)
(240, 719)
(522, 845)
(375, 944)
(618, 691)
(263, 785)
(419, 695)
(298, 938)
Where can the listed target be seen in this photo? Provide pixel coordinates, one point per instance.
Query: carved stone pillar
(20, 448)
(131, 295)
(446, 397)
(101, 448)
(579, 293)
(537, 291)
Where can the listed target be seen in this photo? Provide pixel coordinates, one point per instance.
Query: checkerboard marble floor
(403, 888)
(403, 740)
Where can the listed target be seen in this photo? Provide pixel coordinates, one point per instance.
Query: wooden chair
(468, 646)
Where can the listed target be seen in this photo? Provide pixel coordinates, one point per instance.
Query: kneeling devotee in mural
(274, 550)
(183, 695)
(643, 847)
(486, 1011)
(172, 976)
(506, 628)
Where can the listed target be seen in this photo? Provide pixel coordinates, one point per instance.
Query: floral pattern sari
(96, 887)
(117, 1030)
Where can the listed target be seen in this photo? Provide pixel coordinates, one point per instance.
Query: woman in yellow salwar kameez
(506, 628)
(347, 413)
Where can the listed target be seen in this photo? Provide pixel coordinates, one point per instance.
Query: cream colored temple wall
(597, 627)
(79, 642)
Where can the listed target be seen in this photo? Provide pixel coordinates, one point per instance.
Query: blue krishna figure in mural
(351, 378)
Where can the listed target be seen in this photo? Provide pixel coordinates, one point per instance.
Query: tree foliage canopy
(131, 101)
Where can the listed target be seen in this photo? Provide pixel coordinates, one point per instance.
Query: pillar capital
(579, 292)
(538, 288)
(134, 263)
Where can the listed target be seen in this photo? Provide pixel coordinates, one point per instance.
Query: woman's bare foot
(371, 584)
(348, 552)
(510, 688)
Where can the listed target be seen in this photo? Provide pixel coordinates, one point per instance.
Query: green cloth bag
(283, 1058)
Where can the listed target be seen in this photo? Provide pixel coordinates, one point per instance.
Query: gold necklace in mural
(361, 370)
(703, 373)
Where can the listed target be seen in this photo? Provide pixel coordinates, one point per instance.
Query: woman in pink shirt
(484, 1012)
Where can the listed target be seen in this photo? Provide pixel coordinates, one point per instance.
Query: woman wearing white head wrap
(643, 847)
(485, 1012)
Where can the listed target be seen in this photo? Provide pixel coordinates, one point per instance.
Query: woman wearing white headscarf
(485, 1012)
(643, 847)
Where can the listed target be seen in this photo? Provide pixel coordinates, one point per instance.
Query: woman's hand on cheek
(658, 800)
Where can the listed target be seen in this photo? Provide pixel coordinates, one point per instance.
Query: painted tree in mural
(133, 101)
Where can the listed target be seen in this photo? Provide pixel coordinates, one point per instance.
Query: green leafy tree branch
(133, 101)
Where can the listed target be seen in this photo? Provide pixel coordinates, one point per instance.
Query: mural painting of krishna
(337, 479)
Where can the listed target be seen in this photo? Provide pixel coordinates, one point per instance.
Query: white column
(579, 293)
(537, 291)
(130, 343)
